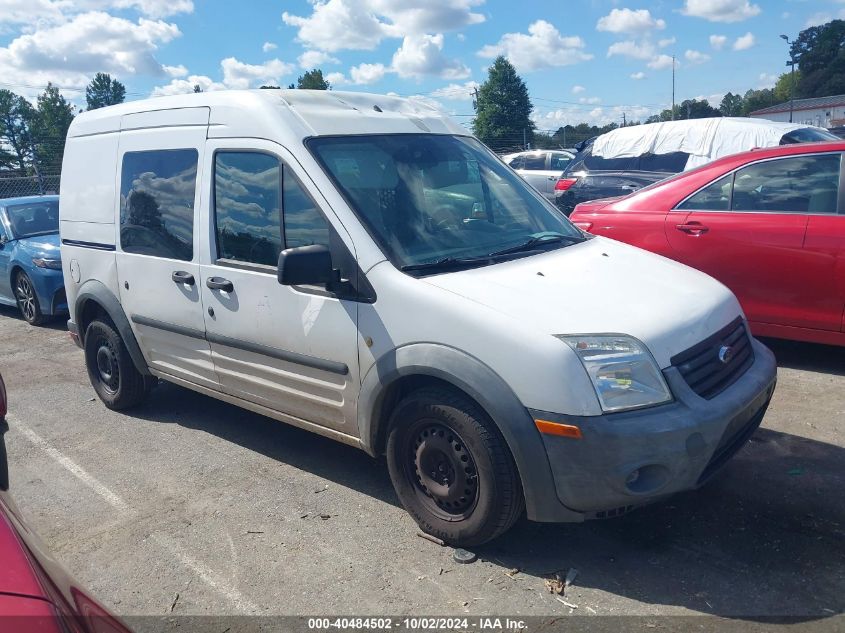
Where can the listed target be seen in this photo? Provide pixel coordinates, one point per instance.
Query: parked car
(626, 159)
(769, 224)
(30, 261)
(403, 292)
(839, 131)
(540, 168)
(36, 593)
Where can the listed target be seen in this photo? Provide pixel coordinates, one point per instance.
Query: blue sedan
(30, 263)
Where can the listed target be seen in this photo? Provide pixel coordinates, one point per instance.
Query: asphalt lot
(237, 514)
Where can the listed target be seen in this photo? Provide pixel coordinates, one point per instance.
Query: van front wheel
(111, 370)
(451, 468)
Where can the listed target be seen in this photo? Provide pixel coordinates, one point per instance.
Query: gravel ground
(237, 514)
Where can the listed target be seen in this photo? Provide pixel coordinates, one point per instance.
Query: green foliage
(757, 100)
(104, 91)
(731, 105)
(569, 135)
(688, 109)
(783, 87)
(820, 52)
(312, 80)
(17, 118)
(503, 109)
(53, 118)
(197, 88)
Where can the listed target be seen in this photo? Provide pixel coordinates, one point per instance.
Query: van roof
(303, 113)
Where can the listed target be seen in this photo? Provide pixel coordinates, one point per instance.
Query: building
(822, 111)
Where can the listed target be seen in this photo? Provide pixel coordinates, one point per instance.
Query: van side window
(157, 203)
(714, 197)
(304, 224)
(246, 207)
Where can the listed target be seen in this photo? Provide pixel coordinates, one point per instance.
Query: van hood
(602, 286)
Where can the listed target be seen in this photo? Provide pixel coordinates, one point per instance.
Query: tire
(28, 300)
(110, 368)
(451, 468)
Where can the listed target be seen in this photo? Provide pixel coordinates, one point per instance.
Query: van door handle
(182, 277)
(218, 283)
(692, 228)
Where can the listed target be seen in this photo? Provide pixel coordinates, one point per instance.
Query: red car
(36, 593)
(769, 224)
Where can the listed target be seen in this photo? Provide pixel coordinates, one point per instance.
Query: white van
(360, 266)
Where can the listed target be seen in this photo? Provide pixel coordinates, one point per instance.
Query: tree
(503, 108)
(53, 118)
(689, 109)
(757, 100)
(783, 86)
(820, 52)
(312, 80)
(731, 105)
(104, 91)
(197, 88)
(17, 117)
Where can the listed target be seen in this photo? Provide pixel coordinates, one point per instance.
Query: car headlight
(622, 370)
(53, 264)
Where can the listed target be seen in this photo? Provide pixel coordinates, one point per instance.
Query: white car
(540, 168)
(358, 266)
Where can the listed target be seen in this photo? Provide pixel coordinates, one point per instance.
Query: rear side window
(246, 207)
(157, 203)
(799, 184)
(672, 163)
(535, 162)
(714, 197)
(559, 161)
(517, 162)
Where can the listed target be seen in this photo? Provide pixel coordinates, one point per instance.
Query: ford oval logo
(726, 353)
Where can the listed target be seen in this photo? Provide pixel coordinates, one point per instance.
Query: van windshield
(37, 218)
(431, 199)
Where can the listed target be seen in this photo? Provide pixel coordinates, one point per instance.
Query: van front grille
(717, 362)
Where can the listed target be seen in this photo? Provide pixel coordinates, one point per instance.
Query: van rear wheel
(451, 468)
(110, 368)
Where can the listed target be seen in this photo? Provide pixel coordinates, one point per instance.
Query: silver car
(540, 168)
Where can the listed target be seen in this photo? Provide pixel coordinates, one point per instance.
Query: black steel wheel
(113, 375)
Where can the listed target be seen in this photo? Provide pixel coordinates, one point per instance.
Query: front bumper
(632, 458)
(50, 287)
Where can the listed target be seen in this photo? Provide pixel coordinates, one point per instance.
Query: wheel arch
(95, 299)
(424, 364)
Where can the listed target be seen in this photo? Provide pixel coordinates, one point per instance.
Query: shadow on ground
(766, 537)
(58, 323)
(827, 359)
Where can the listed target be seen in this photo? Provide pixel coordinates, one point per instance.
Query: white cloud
(629, 21)
(630, 48)
(721, 10)
(34, 13)
(152, 8)
(457, 92)
(175, 71)
(662, 62)
(422, 55)
(552, 119)
(666, 42)
(361, 24)
(313, 59)
(337, 79)
(367, 73)
(638, 75)
(696, 57)
(186, 86)
(718, 41)
(745, 42)
(237, 74)
(542, 47)
(68, 54)
(578, 89)
(589, 100)
(268, 46)
(823, 17)
(766, 80)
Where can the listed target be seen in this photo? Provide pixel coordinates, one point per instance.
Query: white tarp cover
(703, 139)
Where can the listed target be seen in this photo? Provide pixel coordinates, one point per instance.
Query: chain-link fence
(15, 186)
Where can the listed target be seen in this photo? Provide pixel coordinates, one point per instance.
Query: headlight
(54, 264)
(623, 371)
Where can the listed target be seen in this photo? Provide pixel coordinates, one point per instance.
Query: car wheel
(28, 300)
(451, 468)
(113, 374)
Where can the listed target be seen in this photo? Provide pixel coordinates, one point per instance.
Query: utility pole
(791, 62)
(475, 101)
(624, 122)
(524, 139)
(673, 87)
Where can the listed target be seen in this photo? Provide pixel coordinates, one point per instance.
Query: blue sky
(589, 61)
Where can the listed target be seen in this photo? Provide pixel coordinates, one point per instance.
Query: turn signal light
(554, 428)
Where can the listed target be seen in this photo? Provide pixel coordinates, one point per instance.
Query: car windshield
(808, 135)
(431, 199)
(35, 218)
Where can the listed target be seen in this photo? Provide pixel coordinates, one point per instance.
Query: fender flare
(489, 390)
(96, 291)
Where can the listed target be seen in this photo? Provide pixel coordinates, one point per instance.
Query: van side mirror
(305, 266)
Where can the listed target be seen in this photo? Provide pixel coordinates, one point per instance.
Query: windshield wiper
(535, 241)
(448, 262)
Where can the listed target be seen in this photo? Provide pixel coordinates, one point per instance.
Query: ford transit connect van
(361, 267)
